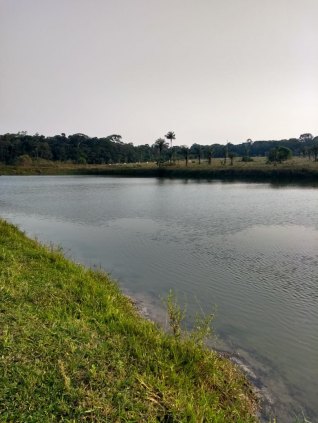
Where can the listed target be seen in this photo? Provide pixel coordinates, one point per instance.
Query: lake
(247, 252)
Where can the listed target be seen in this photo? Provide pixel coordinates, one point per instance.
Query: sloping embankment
(74, 348)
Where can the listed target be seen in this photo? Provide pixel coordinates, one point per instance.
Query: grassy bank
(73, 348)
(297, 169)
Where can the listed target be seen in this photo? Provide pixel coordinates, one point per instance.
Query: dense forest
(80, 148)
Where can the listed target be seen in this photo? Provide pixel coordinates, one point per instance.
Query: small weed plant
(202, 329)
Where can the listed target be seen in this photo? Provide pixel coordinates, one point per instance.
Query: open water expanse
(248, 252)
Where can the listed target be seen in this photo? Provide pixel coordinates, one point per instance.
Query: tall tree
(231, 156)
(314, 149)
(185, 152)
(160, 144)
(247, 147)
(196, 149)
(210, 153)
(170, 136)
(225, 152)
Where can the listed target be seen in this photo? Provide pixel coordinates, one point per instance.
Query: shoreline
(266, 401)
(74, 338)
(269, 404)
(266, 173)
(226, 174)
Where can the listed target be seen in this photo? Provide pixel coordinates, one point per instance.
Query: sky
(209, 70)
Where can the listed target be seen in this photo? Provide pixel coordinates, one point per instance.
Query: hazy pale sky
(209, 70)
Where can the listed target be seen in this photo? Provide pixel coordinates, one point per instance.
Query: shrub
(24, 160)
(247, 159)
(279, 154)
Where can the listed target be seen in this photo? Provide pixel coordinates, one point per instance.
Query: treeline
(80, 148)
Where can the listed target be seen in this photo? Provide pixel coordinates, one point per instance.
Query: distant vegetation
(22, 149)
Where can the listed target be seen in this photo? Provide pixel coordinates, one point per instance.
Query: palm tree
(247, 148)
(160, 144)
(170, 136)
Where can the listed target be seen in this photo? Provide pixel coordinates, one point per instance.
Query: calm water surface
(248, 251)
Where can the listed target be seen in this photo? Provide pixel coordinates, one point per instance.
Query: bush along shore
(74, 348)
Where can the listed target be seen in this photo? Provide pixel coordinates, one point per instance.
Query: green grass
(73, 348)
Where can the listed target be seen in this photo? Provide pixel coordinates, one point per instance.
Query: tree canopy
(80, 148)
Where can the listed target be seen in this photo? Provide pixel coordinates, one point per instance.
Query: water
(247, 251)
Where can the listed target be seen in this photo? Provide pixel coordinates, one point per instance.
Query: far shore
(295, 170)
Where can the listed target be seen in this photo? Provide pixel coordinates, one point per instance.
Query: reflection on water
(248, 250)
